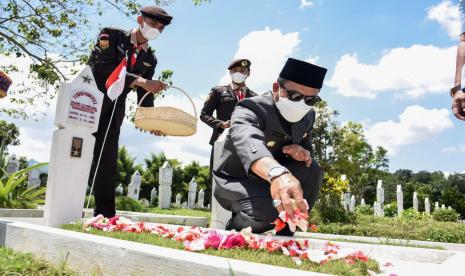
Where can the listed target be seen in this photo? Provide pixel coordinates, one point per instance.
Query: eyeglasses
(296, 96)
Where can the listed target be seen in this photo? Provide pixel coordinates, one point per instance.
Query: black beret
(303, 73)
(242, 62)
(157, 14)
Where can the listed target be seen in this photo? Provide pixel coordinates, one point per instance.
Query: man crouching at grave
(112, 46)
(266, 165)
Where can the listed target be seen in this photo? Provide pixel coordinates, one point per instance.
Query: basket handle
(175, 87)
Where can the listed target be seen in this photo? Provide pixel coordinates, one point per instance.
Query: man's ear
(275, 87)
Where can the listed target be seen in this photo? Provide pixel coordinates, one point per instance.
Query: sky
(390, 67)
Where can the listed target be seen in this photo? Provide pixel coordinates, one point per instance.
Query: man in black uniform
(223, 99)
(267, 161)
(112, 46)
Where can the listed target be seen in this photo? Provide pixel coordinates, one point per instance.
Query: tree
(342, 149)
(8, 136)
(51, 33)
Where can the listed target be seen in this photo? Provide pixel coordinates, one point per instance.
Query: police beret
(239, 63)
(303, 73)
(157, 14)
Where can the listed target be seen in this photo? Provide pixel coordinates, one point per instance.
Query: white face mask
(148, 32)
(238, 77)
(292, 111)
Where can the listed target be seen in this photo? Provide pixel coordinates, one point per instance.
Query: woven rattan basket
(5, 83)
(168, 120)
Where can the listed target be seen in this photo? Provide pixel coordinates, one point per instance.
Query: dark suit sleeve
(148, 101)
(307, 141)
(248, 137)
(209, 106)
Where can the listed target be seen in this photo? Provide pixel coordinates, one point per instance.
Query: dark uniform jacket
(111, 47)
(223, 100)
(257, 131)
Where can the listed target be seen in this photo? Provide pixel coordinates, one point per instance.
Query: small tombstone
(165, 179)
(131, 192)
(153, 196)
(415, 201)
(347, 201)
(136, 181)
(200, 199)
(352, 204)
(443, 206)
(362, 202)
(178, 200)
(184, 205)
(343, 177)
(33, 178)
(208, 206)
(192, 194)
(436, 206)
(380, 197)
(427, 206)
(449, 208)
(12, 165)
(376, 207)
(120, 190)
(400, 200)
(144, 202)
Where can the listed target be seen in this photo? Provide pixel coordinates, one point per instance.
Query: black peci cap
(303, 73)
(157, 14)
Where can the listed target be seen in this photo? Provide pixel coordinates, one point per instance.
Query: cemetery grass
(394, 228)
(181, 212)
(337, 267)
(15, 263)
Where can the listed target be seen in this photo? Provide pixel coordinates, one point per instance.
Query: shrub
(445, 215)
(412, 214)
(125, 203)
(329, 209)
(390, 209)
(364, 210)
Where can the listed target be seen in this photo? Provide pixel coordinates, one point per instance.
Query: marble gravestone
(192, 194)
(12, 165)
(427, 206)
(415, 201)
(134, 186)
(77, 117)
(119, 190)
(352, 204)
(200, 199)
(400, 200)
(153, 196)
(165, 178)
(379, 208)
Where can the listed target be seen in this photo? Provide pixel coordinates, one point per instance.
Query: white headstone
(443, 206)
(165, 178)
(415, 201)
(346, 201)
(449, 208)
(153, 196)
(400, 200)
(184, 205)
(380, 198)
(192, 194)
(352, 204)
(77, 117)
(436, 206)
(427, 206)
(200, 199)
(120, 189)
(12, 165)
(343, 177)
(33, 178)
(219, 215)
(134, 186)
(376, 209)
(178, 199)
(362, 202)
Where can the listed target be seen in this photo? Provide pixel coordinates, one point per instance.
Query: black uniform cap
(239, 63)
(157, 14)
(303, 73)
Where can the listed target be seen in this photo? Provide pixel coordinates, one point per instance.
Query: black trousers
(258, 211)
(104, 186)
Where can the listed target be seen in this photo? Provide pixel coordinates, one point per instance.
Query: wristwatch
(454, 90)
(276, 171)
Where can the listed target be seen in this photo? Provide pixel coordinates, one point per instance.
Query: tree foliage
(53, 35)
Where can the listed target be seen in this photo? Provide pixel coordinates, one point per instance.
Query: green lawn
(333, 267)
(14, 263)
(425, 230)
(181, 212)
